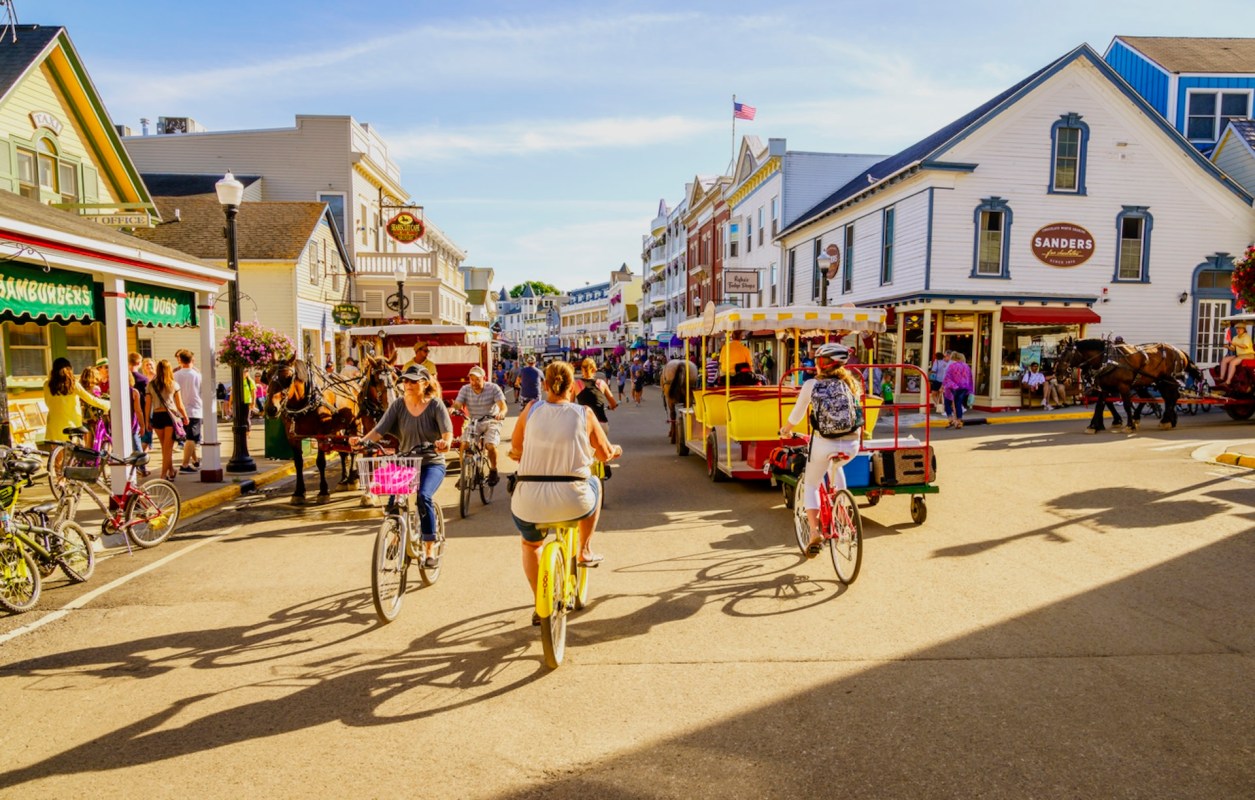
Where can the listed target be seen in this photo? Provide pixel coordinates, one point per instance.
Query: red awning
(1048, 316)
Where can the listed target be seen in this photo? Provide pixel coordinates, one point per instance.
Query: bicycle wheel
(551, 604)
(846, 544)
(56, 477)
(76, 557)
(485, 489)
(466, 483)
(388, 567)
(150, 516)
(801, 524)
(430, 575)
(20, 583)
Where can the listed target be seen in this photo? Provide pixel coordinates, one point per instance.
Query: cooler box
(904, 466)
(858, 471)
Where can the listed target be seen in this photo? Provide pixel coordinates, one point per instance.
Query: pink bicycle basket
(392, 479)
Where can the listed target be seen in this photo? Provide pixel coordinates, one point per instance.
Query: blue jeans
(960, 403)
(429, 481)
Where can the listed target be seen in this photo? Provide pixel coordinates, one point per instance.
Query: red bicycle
(839, 523)
(146, 514)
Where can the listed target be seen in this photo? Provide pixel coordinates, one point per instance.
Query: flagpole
(734, 131)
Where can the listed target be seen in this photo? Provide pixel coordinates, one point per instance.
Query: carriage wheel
(1241, 410)
(712, 459)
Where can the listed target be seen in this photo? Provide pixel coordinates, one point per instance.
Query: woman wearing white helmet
(831, 378)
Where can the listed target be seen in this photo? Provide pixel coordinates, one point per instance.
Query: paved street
(1074, 619)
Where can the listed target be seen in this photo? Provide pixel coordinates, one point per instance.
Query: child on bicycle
(830, 369)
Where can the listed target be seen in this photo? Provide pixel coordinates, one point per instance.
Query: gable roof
(926, 152)
(1244, 130)
(1195, 54)
(164, 184)
(269, 231)
(25, 50)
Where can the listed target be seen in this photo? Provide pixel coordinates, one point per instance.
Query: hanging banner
(150, 306)
(346, 314)
(29, 291)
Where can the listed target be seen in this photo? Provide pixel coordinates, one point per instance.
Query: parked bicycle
(398, 542)
(839, 523)
(101, 441)
(30, 547)
(561, 587)
(475, 465)
(146, 514)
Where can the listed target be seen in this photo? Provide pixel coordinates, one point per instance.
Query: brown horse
(313, 405)
(377, 391)
(678, 385)
(1123, 369)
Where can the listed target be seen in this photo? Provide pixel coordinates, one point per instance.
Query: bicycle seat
(78, 430)
(839, 457)
(137, 459)
(44, 509)
(23, 466)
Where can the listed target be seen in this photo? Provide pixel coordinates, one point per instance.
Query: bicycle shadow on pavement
(455, 666)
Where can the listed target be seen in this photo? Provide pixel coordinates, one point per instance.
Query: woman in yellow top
(62, 395)
(1242, 349)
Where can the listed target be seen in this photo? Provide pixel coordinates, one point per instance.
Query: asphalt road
(1074, 619)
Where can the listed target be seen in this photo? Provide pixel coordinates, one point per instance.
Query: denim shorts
(534, 532)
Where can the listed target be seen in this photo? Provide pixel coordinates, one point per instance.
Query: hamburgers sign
(1062, 244)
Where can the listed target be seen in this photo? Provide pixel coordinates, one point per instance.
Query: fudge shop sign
(1062, 244)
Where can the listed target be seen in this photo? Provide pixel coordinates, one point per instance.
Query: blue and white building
(1065, 205)
(1197, 84)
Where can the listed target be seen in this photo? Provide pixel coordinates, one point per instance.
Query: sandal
(815, 547)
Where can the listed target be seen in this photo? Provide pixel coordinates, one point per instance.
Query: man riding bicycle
(830, 368)
(478, 399)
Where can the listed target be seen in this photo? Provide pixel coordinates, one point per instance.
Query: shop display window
(28, 349)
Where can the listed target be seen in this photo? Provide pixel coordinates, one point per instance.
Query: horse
(377, 391)
(675, 390)
(1121, 369)
(293, 394)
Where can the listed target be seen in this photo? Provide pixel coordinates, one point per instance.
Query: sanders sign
(405, 228)
(1062, 244)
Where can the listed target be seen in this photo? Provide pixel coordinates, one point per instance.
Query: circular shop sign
(1062, 244)
(405, 228)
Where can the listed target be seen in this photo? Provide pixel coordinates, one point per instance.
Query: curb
(195, 506)
(1236, 460)
(1009, 419)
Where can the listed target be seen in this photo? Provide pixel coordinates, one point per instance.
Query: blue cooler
(858, 471)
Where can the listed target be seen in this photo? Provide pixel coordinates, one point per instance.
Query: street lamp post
(399, 302)
(230, 195)
(828, 261)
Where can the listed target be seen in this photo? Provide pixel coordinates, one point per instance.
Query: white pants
(817, 464)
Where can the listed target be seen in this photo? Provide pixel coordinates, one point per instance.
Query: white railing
(416, 265)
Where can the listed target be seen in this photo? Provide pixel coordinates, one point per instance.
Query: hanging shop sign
(740, 281)
(346, 314)
(150, 306)
(30, 291)
(405, 228)
(1062, 244)
(834, 265)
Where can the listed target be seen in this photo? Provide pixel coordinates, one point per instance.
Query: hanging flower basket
(250, 345)
(1244, 281)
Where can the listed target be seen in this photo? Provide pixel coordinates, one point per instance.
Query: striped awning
(806, 320)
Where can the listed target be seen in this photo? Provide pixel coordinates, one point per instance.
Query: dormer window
(1069, 139)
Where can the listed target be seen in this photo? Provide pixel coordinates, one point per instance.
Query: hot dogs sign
(1062, 244)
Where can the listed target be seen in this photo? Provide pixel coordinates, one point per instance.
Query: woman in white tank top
(555, 443)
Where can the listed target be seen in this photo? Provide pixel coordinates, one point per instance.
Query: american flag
(743, 111)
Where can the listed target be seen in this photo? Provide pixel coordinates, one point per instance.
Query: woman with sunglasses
(421, 422)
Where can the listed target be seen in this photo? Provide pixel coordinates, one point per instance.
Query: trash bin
(277, 446)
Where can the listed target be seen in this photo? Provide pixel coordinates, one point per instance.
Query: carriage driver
(476, 399)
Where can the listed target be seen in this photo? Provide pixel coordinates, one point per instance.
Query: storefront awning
(1044, 315)
(33, 293)
(155, 306)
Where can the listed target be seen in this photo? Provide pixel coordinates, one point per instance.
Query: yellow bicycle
(561, 587)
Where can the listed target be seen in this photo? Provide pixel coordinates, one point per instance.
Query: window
(817, 280)
(1133, 225)
(68, 179)
(993, 239)
(847, 263)
(1208, 112)
(760, 226)
(1069, 138)
(335, 204)
(26, 174)
(28, 349)
(790, 273)
(886, 247)
(733, 235)
(774, 278)
(47, 166)
(749, 234)
(1209, 343)
(775, 216)
(361, 222)
(82, 346)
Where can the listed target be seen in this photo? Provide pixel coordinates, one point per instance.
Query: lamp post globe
(230, 194)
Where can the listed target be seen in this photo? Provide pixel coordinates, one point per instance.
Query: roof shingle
(1196, 54)
(268, 231)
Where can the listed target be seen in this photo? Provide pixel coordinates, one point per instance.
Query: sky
(540, 136)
